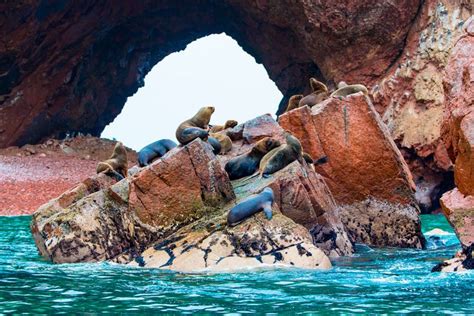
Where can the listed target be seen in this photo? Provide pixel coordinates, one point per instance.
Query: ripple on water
(373, 280)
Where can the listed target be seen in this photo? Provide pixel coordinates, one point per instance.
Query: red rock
(363, 161)
(260, 127)
(459, 209)
(180, 187)
(365, 171)
(102, 220)
(464, 167)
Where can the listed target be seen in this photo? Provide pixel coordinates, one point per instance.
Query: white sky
(213, 70)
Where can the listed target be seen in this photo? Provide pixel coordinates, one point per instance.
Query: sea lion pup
(293, 102)
(247, 164)
(195, 127)
(282, 156)
(250, 206)
(216, 145)
(345, 90)
(154, 150)
(224, 140)
(319, 94)
(228, 124)
(117, 164)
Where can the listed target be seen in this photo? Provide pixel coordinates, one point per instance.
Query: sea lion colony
(267, 156)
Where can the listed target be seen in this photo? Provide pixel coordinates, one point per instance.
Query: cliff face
(68, 66)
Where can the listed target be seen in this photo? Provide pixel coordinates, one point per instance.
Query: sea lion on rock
(154, 150)
(117, 164)
(293, 102)
(228, 124)
(195, 127)
(282, 156)
(247, 164)
(319, 94)
(216, 145)
(252, 205)
(224, 140)
(345, 90)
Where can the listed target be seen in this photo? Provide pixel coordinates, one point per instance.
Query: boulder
(99, 220)
(302, 195)
(459, 210)
(363, 168)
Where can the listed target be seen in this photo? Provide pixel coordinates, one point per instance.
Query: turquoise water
(375, 281)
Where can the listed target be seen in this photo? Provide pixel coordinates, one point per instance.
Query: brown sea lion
(154, 150)
(346, 90)
(252, 205)
(247, 164)
(224, 140)
(293, 102)
(228, 124)
(195, 127)
(117, 164)
(319, 94)
(282, 156)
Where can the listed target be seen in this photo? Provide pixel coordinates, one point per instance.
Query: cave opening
(212, 70)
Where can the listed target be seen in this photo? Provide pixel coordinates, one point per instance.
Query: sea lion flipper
(267, 209)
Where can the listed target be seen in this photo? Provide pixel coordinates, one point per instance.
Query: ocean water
(372, 281)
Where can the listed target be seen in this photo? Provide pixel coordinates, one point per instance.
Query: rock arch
(68, 66)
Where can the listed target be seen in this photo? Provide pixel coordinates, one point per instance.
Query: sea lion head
(294, 142)
(342, 84)
(230, 124)
(203, 116)
(271, 143)
(119, 151)
(317, 86)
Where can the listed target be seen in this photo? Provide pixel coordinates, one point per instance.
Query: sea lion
(117, 164)
(307, 157)
(252, 205)
(195, 127)
(247, 164)
(280, 157)
(345, 90)
(154, 150)
(224, 140)
(228, 124)
(216, 145)
(319, 94)
(293, 102)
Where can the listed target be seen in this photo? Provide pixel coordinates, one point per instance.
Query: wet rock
(364, 169)
(257, 242)
(462, 261)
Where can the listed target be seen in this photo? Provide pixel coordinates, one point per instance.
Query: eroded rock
(459, 209)
(257, 242)
(363, 168)
(99, 220)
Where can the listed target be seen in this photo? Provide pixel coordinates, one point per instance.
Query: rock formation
(172, 214)
(458, 135)
(66, 67)
(363, 168)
